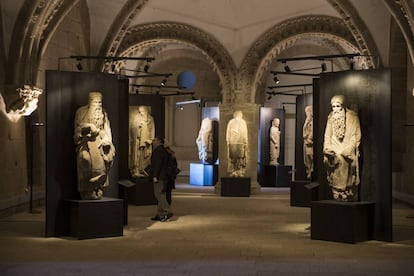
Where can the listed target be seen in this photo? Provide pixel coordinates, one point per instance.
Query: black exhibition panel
(369, 93)
(65, 93)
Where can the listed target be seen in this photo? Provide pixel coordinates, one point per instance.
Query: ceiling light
(275, 79)
(146, 68)
(164, 81)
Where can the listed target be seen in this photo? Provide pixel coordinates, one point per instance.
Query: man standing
(95, 151)
(159, 161)
(341, 150)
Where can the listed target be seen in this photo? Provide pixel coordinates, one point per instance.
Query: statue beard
(338, 124)
(96, 117)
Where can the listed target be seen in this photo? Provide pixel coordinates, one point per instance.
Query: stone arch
(258, 59)
(38, 22)
(189, 36)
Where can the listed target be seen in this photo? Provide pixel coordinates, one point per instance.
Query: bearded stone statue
(94, 148)
(341, 150)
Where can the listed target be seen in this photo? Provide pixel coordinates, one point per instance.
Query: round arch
(282, 36)
(189, 36)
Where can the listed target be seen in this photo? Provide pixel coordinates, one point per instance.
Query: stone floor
(208, 235)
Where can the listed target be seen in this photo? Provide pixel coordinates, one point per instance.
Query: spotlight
(79, 66)
(164, 81)
(146, 68)
(276, 80)
(269, 97)
(323, 66)
(113, 67)
(181, 107)
(351, 63)
(287, 68)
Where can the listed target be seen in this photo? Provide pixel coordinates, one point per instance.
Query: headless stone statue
(236, 137)
(204, 141)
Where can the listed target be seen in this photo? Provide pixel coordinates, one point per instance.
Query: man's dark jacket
(159, 159)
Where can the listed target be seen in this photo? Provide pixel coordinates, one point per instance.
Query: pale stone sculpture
(204, 141)
(95, 151)
(308, 141)
(236, 137)
(141, 134)
(274, 142)
(341, 150)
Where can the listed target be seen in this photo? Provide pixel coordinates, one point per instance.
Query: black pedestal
(348, 222)
(124, 187)
(276, 176)
(95, 218)
(235, 186)
(303, 192)
(203, 174)
(142, 193)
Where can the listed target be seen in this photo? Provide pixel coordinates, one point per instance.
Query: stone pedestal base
(235, 186)
(348, 222)
(95, 218)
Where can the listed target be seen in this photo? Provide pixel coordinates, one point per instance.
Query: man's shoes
(162, 218)
(156, 218)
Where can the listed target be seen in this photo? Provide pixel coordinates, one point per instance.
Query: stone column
(251, 116)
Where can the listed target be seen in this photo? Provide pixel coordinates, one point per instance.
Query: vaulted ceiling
(237, 38)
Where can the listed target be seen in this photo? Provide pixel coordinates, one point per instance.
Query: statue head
(237, 114)
(142, 109)
(276, 122)
(338, 103)
(95, 99)
(308, 110)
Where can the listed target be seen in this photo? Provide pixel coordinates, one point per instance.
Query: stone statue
(94, 148)
(341, 150)
(308, 141)
(204, 141)
(141, 134)
(274, 141)
(236, 137)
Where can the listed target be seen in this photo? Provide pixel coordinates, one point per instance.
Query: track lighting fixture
(323, 66)
(79, 66)
(163, 82)
(146, 68)
(287, 68)
(275, 79)
(113, 66)
(351, 63)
